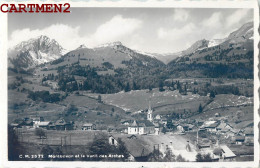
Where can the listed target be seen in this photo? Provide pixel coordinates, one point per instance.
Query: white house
(141, 127)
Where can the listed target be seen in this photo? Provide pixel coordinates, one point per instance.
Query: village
(185, 138)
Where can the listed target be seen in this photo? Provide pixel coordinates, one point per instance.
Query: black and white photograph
(132, 84)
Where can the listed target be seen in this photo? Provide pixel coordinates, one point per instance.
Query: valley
(112, 91)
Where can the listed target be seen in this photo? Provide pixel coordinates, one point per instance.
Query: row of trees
(44, 96)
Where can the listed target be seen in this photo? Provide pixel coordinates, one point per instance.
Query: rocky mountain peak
(35, 51)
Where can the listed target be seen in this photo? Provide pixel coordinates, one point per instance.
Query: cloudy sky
(155, 30)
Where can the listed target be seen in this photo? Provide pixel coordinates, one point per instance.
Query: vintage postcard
(129, 84)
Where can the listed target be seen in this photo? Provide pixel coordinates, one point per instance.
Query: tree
(71, 108)
(155, 156)
(135, 87)
(203, 158)
(169, 124)
(212, 94)
(127, 87)
(169, 156)
(100, 146)
(99, 99)
(199, 157)
(161, 89)
(200, 109)
(150, 88)
(179, 158)
(39, 132)
(164, 130)
(14, 147)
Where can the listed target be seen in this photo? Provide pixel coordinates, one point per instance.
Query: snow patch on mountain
(215, 42)
(112, 45)
(145, 53)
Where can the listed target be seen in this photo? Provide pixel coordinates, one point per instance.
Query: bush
(203, 158)
(39, 132)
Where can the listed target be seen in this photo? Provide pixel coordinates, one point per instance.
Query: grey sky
(160, 30)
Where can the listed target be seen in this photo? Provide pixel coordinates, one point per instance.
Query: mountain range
(237, 47)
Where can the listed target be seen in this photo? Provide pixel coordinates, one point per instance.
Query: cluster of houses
(218, 125)
(221, 126)
(39, 122)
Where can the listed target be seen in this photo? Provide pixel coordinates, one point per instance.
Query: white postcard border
(148, 4)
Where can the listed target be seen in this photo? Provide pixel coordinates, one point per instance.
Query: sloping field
(139, 100)
(229, 100)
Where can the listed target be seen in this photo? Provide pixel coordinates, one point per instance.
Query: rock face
(33, 52)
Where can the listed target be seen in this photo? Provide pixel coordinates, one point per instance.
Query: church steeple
(150, 112)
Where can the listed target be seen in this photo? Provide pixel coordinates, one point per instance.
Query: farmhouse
(212, 127)
(141, 127)
(185, 127)
(88, 126)
(44, 124)
(249, 132)
(61, 124)
(217, 152)
(36, 121)
(239, 140)
(137, 152)
(223, 153)
(17, 123)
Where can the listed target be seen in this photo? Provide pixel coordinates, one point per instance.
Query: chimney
(188, 148)
(217, 143)
(211, 144)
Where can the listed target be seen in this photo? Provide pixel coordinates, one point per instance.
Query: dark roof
(136, 146)
(142, 123)
(125, 121)
(240, 138)
(145, 123)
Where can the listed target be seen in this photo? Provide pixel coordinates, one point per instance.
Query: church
(143, 126)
